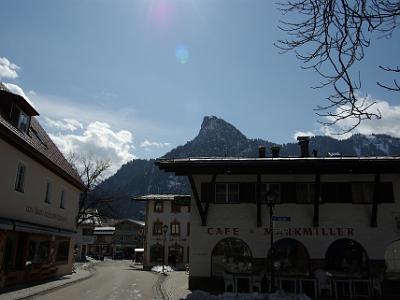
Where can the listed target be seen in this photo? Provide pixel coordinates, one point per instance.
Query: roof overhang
(309, 165)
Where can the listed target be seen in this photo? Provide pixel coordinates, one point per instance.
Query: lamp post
(271, 198)
(164, 229)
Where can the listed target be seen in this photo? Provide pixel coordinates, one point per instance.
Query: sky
(127, 79)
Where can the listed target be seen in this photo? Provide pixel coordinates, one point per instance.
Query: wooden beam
(258, 199)
(213, 180)
(375, 201)
(317, 194)
(198, 202)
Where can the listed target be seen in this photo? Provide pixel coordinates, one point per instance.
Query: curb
(48, 290)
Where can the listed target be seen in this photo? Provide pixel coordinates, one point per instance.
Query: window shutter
(288, 192)
(385, 192)
(247, 192)
(207, 192)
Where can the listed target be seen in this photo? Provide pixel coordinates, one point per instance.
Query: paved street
(113, 280)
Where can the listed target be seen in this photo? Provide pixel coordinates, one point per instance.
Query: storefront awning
(6, 224)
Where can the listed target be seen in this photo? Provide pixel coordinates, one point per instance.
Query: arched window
(157, 228)
(232, 255)
(289, 257)
(392, 257)
(346, 257)
(156, 253)
(175, 254)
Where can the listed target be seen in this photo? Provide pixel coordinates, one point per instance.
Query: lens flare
(162, 12)
(182, 54)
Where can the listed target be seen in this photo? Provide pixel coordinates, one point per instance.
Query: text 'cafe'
(340, 215)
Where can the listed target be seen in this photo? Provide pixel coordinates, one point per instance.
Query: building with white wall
(336, 214)
(169, 214)
(39, 197)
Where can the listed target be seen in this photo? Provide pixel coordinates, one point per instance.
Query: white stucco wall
(240, 221)
(166, 217)
(30, 205)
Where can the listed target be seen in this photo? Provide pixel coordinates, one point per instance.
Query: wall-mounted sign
(182, 201)
(45, 213)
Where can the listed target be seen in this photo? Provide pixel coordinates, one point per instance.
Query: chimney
(303, 142)
(275, 151)
(261, 151)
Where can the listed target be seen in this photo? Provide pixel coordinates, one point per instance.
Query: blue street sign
(280, 218)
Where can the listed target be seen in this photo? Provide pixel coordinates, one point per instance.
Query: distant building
(169, 214)
(331, 215)
(127, 237)
(85, 233)
(39, 197)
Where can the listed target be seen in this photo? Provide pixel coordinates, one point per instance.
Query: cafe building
(167, 230)
(39, 197)
(325, 226)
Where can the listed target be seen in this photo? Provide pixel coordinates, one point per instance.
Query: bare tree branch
(330, 37)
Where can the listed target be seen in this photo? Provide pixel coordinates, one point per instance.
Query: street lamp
(164, 229)
(271, 200)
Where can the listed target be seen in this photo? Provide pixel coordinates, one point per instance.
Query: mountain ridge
(218, 138)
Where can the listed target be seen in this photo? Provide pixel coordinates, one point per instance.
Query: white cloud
(147, 144)
(388, 124)
(64, 125)
(99, 139)
(303, 133)
(8, 69)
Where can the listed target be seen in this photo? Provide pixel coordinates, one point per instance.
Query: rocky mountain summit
(218, 138)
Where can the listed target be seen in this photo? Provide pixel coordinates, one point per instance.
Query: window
(20, 180)
(305, 192)
(39, 251)
(62, 251)
(157, 228)
(336, 192)
(272, 189)
(87, 231)
(175, 208)
(362, 192)
(62, 199)
(23, 122)
(156, 253)
(175, 228)
(47, 197)
(227, 193)
(158, 206)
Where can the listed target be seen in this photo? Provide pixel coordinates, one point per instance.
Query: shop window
(156, 253)
(8, 259)
(39, 251)
(289, 257)
(227, 193)
(157, 228)
(20, 179)
(232, 255)
(346, 257)
(175, 255)
(62, 251)
(158, 206)
(175, 228)
(62, 199)
(47, 197)
(175, 208)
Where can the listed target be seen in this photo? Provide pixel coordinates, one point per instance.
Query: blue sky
(135, 78)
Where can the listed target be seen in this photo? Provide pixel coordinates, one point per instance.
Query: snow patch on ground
(280, 295)
(158, 269)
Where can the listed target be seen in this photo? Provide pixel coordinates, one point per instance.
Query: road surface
(112, 280)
